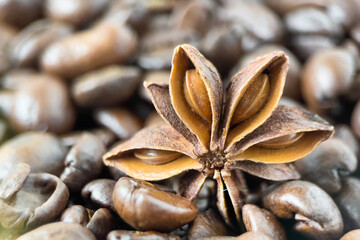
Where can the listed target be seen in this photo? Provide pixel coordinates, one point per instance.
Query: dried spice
(220, 133)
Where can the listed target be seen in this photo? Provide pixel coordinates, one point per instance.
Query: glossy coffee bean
(19, 13)
(171, 211)
(348, 202)
(327, 74)
(315, 211)
(59, 231)
(352, 235)
(39, 199)
(325, 166)
(102, 45)
(260, 220)
(123, 235)
(208, 224)
(100, 192)
(83, 163)
(75, 12)
(108, 86)
(253, 236)
(75, 214)
(101, 223)
(42, 104)
(42, 151)
(28, 45)
(120, 121)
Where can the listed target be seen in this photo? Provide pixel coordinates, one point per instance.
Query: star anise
(212, 135)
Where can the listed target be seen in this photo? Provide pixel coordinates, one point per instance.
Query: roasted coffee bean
(28, 45)
(355, 119)
(59, 231)
(7, 33)
(123, 235)
(101, 223)
(19, 12)
(292, 85)
(171, 211)
(208, 224)
(120, 121)
(352, 235)
(345, 134)
(6, 102)
(316, 212)
(15, 78)
(327, 75)
(328, 162)
(42, 104)
(260, 220)
(106, 136)
(76, 214)
(83, 163)
(76, 12)
(253, 236)
(348, 202)
(39, 199)
(108, 86)
(304, 46)
(42, 151)
(100, 192)
(104, 44)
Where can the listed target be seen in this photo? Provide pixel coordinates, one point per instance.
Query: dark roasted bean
(75, 214)
(100, 192)
(123, 235)
(101, 223)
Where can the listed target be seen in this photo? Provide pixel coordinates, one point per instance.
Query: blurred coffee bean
(101, 223)
(157, 47)
(292, 85)
(106, 136)
(167, 211)
(348, 202)
(116, 173)
(344, 132)
(19, 13)
(304, 46)
(316, 212)
(355, 119)
(96, 47)
(260, 220)
(327, 74)
(29, 44)
(42, 151)
(352, 235)
(83, 163)
(284, 6)
(6, 102)
(75, 12)
(355, 34)
(7, 34)
(100, 192)
(156, 77)
(16, 78)
(39, 200)
(108, 86)
(325, 166)
(59, 231)
(75, 214)
(4, 129)
(120, 121)
(208, 224)
(253, 236)
(134, 235)
(42, 104)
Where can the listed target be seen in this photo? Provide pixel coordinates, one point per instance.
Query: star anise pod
(215, 135)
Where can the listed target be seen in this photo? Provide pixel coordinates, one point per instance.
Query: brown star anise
(212, 135)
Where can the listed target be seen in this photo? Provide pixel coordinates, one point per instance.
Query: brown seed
(59, 231)
(205, 225)
(168, 211)
(83, 163)
(28, 45)
(120, 121)
(260, 220)
(325, 166)
(102, 45)
(42, 104)
(100, 192)
(156, 157)
(281, 142)
(348, 202)
(108, 86)
(75, 12)
(315, 211)
(101, 223)
(76, 214)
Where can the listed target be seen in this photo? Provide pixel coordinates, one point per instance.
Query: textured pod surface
(137, 202)
(315, 211)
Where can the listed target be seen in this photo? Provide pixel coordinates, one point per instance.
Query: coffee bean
(75, 214)
(168, 211)
(100, 192)
(123, 235)
(101, 223)
(59, 231)
(83, 163)
(345, 134)
(254, 235)
(352, 235)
